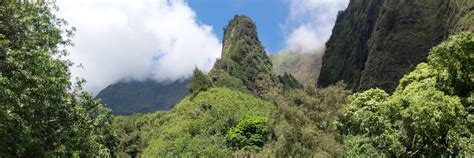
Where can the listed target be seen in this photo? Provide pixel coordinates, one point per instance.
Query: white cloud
(310, 22)
(125, 39)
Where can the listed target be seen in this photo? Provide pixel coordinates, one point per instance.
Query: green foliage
(420, 118)
(367, 125)
(198, 126)
(251, 133)
(364, 111)
(455, 56)
(203, 126)
(135, 132)
(220, 78)
(302, 123)
(288, 81)
(200, 82)
(42, 114)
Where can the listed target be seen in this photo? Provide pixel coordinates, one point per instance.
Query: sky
(164, 40)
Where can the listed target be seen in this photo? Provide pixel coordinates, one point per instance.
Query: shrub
(250, 134)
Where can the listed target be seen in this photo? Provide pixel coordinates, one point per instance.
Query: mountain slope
(197, 125)
(375, 43)
(125, 98)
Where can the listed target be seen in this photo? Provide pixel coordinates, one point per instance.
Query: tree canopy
(425, 116)
(200, 82)
(42, 113)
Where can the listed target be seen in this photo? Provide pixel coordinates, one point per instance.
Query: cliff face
(374, 43)
(346, 50)
(244, 63)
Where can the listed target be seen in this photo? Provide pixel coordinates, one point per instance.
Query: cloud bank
(310, 22)
(124, 40)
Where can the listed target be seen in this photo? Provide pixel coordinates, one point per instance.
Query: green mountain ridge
(374, 43)
(128, 97)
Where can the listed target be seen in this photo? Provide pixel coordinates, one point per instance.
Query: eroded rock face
(375, 42)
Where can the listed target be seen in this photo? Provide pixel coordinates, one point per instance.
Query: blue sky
(268, 15)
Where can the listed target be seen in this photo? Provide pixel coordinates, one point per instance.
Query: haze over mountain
(128, 97)
(304, 67)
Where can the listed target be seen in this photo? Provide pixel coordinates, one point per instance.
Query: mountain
(244, 63)
(376, 42)
(128, 97)
(303, 66)
(241, 108)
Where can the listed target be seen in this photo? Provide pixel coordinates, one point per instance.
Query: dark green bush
(250, 134)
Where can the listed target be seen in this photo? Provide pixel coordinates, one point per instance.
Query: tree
(130, 130)
(41, 112)
(456, 58)
(424, 117)
(367, 127)
(200, 82)
(432, 123)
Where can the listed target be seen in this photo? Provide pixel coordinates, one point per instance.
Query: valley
(395, 79)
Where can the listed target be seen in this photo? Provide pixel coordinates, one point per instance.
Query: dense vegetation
(200, 82)
(429, 114)
(196, 126)
(225, 122)
(240, 108)
(42, 113)
(128, 97)
(250, 133)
